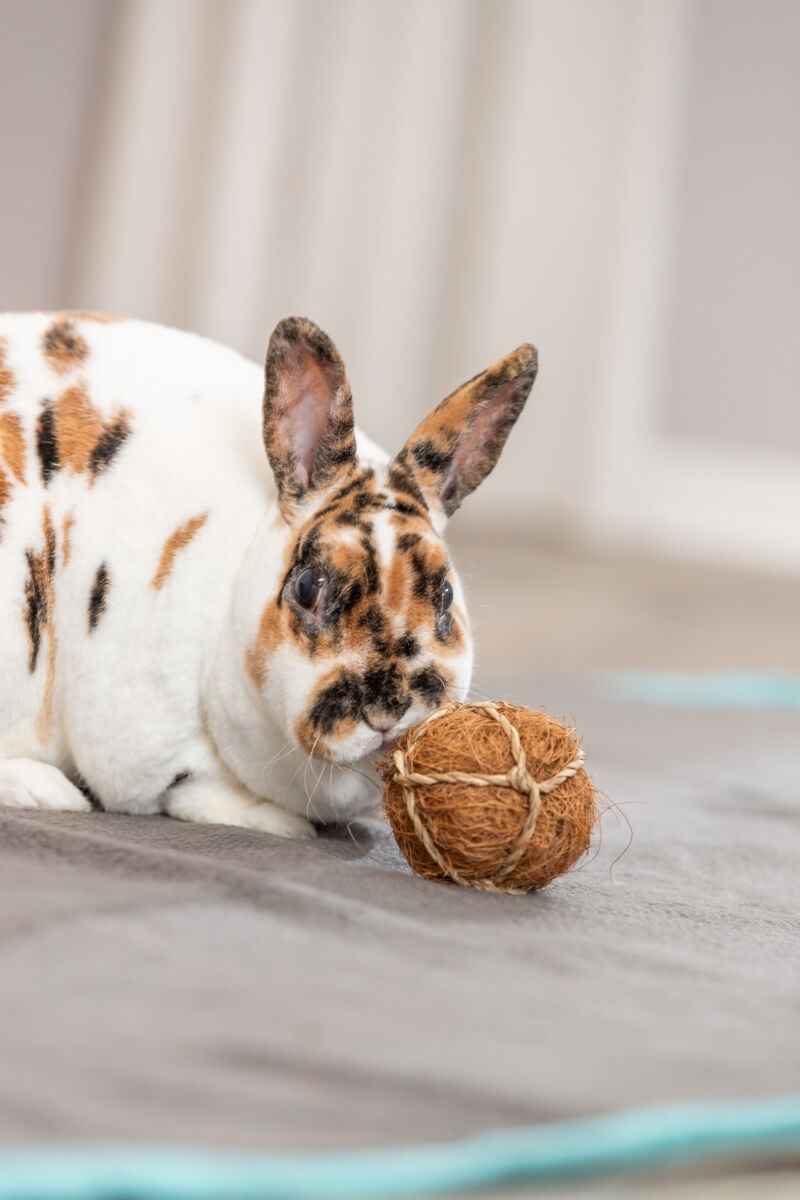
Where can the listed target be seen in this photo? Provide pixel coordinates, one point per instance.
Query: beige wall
(52, 88)
(735, 310)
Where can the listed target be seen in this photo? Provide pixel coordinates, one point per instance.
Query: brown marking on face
(63, 347)
(386, 618)
(38, 614)
(12, 444)
(84, 441)
(66, 537)
(412, 548)
(307, 732)
(7, 380)
(177, 541)
(313, 743)
(266, 641)
(271, 632)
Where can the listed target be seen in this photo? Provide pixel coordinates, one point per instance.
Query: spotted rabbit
(205, 621)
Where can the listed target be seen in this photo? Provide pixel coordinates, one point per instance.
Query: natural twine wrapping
(511, 828)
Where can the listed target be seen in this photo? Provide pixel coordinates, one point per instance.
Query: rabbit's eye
(447, 595)
(307, 587)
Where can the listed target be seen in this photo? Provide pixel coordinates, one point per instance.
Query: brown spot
(84, 440)
(38, 614)
(6, 375)
(66, 537)
(397, 584)
(5, 489)
(12, 444)
(176, 541)
(310, 740)
(78, 426)
(267, 639)
(63, 347)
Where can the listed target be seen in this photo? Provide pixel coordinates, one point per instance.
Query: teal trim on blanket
(638, 1140)
(725, 689)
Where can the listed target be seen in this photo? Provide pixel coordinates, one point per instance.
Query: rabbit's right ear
(455, 448)
(308, 411)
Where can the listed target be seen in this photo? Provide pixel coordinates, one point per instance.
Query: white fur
(159, 688)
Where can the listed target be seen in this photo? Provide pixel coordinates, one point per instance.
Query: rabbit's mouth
(365, 740)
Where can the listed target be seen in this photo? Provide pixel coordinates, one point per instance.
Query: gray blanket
(173, 983)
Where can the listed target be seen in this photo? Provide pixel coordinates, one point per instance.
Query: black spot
(407, 541)
(373, 620)
(47, 443)
(307, 549)
(371, 575)
(351, 518)
(91, 796)
(402, 480)
(426, 455)
(407, 509)
(342, 700)
(407, 646)
(107, 445)
(426, 581)
(341, 451)
(181, 777)
(357, 481)
(349, 598)
(97, 596)
(62, 341)
(384, 689)
(35, 607)
(428, 685)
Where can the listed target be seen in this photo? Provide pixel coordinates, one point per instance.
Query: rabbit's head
(366, 630)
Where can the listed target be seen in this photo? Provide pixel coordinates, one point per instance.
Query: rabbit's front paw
(210, 802)
(25, 783)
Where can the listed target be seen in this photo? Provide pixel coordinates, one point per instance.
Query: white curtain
(433, 182)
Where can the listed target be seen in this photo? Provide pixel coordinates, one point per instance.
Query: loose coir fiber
(490, 795)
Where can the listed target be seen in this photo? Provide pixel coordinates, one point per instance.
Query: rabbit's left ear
(308, 411)
(455, 448)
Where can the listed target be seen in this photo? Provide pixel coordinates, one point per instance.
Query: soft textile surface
(172, 983)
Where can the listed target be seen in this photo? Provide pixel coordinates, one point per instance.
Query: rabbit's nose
(384, 719)
(380, 724)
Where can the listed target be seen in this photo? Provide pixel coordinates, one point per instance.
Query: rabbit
(205, 620)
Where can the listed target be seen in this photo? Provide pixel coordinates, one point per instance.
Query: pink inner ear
(306, 395)
(480, 442)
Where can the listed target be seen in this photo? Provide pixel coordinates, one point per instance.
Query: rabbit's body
(150, 650)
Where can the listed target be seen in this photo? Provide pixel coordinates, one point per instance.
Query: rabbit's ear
(455, 448)
(308, 411)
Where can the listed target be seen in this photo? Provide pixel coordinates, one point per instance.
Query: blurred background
(617, 181)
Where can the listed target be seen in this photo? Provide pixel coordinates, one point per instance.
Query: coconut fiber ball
(490, 795)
